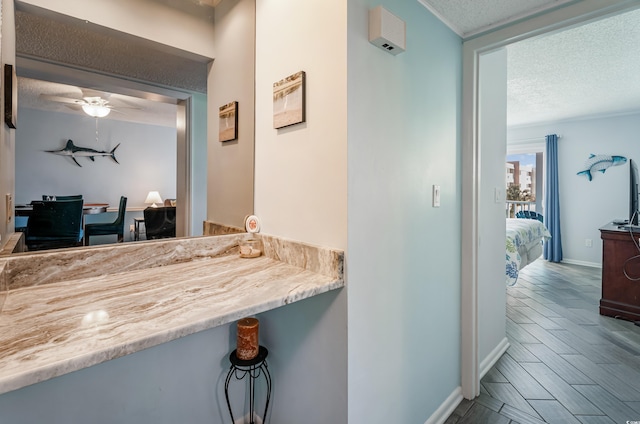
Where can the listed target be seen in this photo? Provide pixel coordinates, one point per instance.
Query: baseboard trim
(583, 263)
(493, 357)
(446, 408)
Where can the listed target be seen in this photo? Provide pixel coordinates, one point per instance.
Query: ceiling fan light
(96, 111)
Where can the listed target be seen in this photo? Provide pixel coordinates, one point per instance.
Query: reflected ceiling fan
(94, 103)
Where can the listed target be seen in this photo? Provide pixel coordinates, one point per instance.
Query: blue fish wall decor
(74, 151)
(601, 163)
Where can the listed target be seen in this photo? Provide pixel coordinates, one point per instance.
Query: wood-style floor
(566, 364)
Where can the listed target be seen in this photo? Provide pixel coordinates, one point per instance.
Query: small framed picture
(289, 100)
(10, 95)
(228, 122)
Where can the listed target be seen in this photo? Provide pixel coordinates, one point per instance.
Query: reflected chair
(103, 229)
(53, 197)
(160, 222)
(54, 225)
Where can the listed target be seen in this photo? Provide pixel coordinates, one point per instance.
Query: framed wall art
(228, 130)
(10, 95)
(289, 100)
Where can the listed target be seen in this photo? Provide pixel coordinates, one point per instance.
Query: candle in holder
(247, 339)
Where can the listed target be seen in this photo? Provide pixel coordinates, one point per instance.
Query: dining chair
(54, 197)
(54, 224)
(107, 228)
(160, 222)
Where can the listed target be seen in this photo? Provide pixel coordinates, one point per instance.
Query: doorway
(473, 196)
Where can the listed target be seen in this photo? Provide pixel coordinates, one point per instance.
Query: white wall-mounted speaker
(387, 31)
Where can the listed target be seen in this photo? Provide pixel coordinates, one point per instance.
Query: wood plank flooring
(566, 364)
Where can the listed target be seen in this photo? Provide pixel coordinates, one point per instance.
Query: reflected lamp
(152, 198)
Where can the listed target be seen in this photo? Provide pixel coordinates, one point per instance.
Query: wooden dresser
(620, 294)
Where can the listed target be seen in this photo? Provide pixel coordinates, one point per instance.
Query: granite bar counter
(67, 310)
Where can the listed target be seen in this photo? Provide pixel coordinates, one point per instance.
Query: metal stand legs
(253, 368)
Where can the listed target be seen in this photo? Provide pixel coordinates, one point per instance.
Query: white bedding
(524, 245)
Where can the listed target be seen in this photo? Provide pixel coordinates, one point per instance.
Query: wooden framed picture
(10, 95)
(289, 100)
(228, 130)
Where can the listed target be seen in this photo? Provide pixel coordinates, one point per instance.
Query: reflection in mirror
(143, 143)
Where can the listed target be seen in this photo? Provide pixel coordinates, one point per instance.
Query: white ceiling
(585, 71)
(32, 94)
(581, 72)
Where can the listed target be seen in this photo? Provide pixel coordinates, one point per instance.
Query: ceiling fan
(93, 103)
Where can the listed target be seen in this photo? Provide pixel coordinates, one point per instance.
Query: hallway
(566, 363)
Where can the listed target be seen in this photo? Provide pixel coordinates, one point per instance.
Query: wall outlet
(132, 228)
(588, 242)
(9, 207)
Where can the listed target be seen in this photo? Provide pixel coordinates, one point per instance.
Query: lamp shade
(97, 111)
(153, 197)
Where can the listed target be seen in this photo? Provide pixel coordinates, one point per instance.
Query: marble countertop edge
(62, 312)
(20, 379)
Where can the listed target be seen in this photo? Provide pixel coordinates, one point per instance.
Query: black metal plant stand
(254, 368)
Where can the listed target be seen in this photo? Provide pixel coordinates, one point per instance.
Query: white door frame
(573, 14)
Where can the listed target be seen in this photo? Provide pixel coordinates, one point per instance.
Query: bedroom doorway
(473, 196)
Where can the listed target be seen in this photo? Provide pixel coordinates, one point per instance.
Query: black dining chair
(160, 222)
(103, 229)
(54, 224)
(54, 197)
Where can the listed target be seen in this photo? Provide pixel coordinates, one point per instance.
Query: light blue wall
(403, 264)
(585, 206)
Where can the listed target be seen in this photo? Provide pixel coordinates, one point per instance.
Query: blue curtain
(553, 247)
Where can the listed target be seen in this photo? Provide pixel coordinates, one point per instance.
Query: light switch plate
(497, 195)
(9, 205)
(436, 196)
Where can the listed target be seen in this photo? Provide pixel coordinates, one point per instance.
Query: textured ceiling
(470, 17)
(84, 46)
(584, 71)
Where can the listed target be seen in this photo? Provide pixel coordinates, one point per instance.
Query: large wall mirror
(152, 139)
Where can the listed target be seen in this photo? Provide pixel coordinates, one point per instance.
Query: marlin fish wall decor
(74, 151)
(600, 163)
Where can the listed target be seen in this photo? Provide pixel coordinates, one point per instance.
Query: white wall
(301, 193)
(7, 135)
(404, 259)
(586, 206)
(301, 171)
(230, 172)
(492, 233)
(146, 156)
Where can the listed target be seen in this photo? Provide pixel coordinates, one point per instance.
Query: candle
(247, 339)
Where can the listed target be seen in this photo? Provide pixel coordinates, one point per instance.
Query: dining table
(87, 209)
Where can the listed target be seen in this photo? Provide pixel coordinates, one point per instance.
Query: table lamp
(153, 197)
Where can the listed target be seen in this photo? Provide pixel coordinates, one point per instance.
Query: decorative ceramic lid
(252, 224)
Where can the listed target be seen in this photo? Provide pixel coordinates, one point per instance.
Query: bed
(524, 245)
